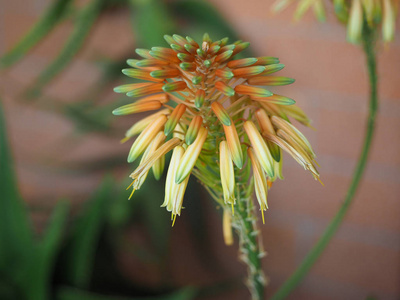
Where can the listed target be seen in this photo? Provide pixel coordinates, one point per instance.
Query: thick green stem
(243, 220)
(245, 223)
(317, 250)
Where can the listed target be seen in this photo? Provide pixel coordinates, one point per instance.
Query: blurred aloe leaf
(205, 17)
(50, 18)
(121, 210)
(84, 20)
(43, 258)
(156, 219)
(86, 234)
(87, 117)
(67, 293)
(27, 264)
(15, 234)
(150, 22)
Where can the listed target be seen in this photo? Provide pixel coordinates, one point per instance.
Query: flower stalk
(368, 37)
(250, 247)
(222, 126)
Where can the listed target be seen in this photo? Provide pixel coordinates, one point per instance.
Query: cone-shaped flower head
(200, 96)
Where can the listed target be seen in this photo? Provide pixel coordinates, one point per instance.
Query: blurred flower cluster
(356, 14)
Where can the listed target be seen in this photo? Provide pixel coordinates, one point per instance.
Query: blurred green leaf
(43, 257)
(151, 21)
(86, 235)
(87, 117)
(205, 18)
(50, 18)
(67, 293)
(83, 23)
(15, 234)
(156, 218)
(121, 209)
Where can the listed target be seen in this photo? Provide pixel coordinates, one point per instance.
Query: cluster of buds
(212, 112)
(356, 14)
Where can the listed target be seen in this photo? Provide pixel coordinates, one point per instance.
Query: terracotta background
(331, 86)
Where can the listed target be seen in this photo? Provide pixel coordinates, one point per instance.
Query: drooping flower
(214, 112)
(356, 14)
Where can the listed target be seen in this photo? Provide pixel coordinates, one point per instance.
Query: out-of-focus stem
(317, 250)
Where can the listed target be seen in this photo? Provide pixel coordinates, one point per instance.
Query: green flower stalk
(221, 124)
(363, 19)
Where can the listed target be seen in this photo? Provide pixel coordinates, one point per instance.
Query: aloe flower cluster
(356, 14)
(216, 117)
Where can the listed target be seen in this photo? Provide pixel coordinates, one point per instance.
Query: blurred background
(71, 233)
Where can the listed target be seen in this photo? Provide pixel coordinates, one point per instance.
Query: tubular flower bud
(148, 163)
(170, 185)
(260, 148)
(130, 87)
(233, 141)
(175, 116)
(221, 113)
(179, 131)
(227, 173)
(139, 74)
(294, 133)
(213, 93)
(274, 99)
(160, 138)
(162, 74)
(270, 80)
(142, 124)
(224, 74)
(240, 63)
(137, 107)
(297, 113)
(193, 130)
(146, 137)
(266, 127)
(225, 89)
(189, 158)
(227, 227)
(199, 99)
(248, 71)
(252, 91)
(260, 182)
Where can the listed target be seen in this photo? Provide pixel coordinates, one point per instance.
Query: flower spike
(217, 102)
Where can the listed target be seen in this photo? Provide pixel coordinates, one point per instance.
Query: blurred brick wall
(331, 86)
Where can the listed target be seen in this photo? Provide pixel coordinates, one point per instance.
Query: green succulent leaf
(47, 22)
(150, 21)
(82, 247)
(37, 284)
(15, 234)
(84, 20)
(66, 293)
